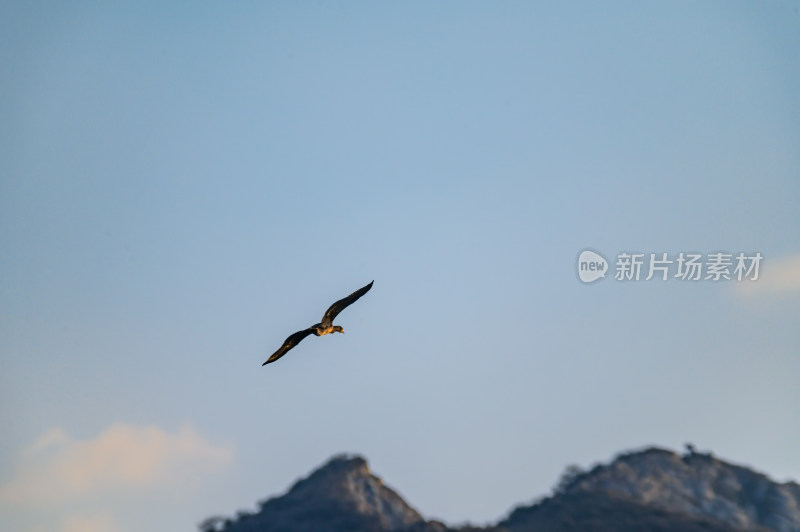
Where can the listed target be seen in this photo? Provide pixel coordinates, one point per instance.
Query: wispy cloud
(89, 523)
(777, 277)
(123, 459)
(52, 438)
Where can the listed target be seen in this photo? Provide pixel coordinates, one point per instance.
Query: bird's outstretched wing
(290, 342)
(342, 304)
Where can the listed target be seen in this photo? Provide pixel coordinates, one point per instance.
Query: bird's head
(338, 328)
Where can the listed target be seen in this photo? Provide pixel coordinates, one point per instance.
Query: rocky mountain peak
(347, 480)
(697, 484)
(342, 493)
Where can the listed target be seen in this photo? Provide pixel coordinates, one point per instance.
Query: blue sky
(184, 186)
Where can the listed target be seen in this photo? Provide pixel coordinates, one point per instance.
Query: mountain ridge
(698, 484)
(649, 489)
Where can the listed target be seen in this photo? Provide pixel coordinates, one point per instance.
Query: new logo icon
(591, 266)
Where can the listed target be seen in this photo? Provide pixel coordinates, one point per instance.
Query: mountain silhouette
(654, 490)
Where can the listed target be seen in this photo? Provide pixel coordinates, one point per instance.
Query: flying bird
(322, 328)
